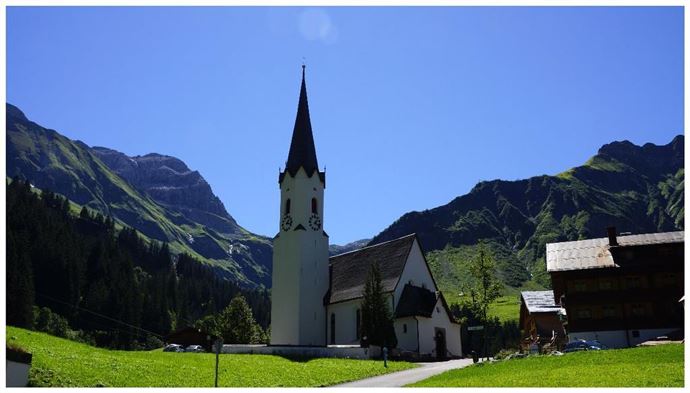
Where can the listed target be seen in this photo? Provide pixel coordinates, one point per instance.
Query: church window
(287, 206)
(404, 328)
(314, 207)
(358, 319)
(332, 328)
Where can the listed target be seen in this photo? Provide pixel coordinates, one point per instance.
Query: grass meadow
(658, 366)
(60, 362)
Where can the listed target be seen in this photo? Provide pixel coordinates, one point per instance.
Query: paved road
(402, 378)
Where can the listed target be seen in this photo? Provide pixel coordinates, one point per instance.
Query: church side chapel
(316, 300)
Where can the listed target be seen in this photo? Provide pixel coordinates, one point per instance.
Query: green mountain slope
(638, 189)
(52, 161)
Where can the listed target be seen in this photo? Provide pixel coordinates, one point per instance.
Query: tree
(20, 285)
(237, 323)
(486, 287)
(377, 319)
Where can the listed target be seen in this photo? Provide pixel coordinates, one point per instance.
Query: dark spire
(302, 150)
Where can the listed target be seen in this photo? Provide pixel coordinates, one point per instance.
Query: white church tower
(300, 249)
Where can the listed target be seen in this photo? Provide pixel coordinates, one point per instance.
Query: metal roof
(594, 253)
(539, 301)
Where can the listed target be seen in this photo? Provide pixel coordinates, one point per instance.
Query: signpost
(217, 347)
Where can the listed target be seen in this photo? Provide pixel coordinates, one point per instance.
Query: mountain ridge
(635, 188)
(165, 200)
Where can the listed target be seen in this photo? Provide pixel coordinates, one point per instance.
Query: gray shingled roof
(594, 253)
(415, 301)
(350, 270)
(539, 301)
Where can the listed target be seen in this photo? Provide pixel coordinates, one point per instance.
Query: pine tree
(237, 323)
(20, 287)
(377, 319)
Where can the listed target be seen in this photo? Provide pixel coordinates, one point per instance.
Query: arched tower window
(333, 328)
(314, 207)
(287, 206)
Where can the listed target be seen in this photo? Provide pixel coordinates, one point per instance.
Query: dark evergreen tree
(377, 319)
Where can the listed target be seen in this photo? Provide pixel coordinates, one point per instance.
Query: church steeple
(300, 248)
(302, 150)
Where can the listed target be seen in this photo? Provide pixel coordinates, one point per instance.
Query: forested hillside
(156, 194)
(118, 289)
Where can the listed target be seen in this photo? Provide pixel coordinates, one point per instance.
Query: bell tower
(300, 249)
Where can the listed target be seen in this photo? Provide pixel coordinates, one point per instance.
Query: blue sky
(410, 106)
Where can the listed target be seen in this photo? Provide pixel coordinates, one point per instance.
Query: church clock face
(315, 222)
(286, 222)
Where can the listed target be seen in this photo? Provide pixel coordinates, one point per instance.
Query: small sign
(473, 328)
(218, 346)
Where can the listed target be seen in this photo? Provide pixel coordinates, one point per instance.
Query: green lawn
(660, 366)
(60, 362)
(505, 308)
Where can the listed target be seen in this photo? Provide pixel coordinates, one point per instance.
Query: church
(316, 299)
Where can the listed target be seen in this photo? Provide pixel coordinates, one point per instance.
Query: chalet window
(605, 285)
(358, 318)
(638, 310)
(404, 328)
(314, 207)
(632, 282)
(580, 286)
(666, 280)
(583, 313)
(287, 206)
(609, 312)
(332, 328)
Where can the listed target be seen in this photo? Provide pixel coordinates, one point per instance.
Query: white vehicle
(194, 348)
(173, 348)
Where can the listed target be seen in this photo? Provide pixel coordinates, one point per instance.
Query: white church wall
(416, 271)
(427, 331)
(345, 322)
(406, 333)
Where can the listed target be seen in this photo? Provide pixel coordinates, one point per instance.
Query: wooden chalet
(620, 290)
(540, 320)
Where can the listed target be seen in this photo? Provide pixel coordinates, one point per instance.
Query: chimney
(611, 231)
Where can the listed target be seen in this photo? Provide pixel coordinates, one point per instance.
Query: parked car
(583, 345)
(173, 348)
(194, 348)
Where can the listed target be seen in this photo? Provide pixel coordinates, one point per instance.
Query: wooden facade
(641, 291)
(540, 320)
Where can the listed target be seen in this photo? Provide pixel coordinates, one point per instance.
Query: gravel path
(402, 378)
